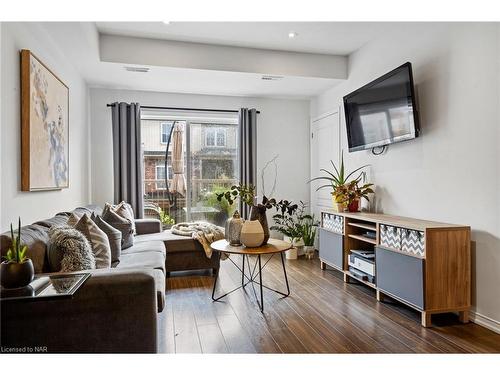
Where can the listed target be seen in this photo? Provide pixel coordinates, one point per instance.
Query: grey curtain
(127, 157)
(248, 151)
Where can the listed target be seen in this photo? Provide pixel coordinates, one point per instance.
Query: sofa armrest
(112, 312)
(147, 226)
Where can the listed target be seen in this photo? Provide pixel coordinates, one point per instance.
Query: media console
(423, 264)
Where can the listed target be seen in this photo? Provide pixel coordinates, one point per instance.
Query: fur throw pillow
(69, 250)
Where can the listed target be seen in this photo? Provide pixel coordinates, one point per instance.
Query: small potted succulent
(16, 270)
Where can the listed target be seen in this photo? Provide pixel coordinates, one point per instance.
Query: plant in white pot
(309, 230)
(17, 270)
(289, 221)
(339, 181)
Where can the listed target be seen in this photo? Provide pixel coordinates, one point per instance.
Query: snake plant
(16, 252)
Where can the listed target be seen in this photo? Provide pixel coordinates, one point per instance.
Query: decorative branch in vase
(246, 193)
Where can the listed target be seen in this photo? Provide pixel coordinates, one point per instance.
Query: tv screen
(382, 112)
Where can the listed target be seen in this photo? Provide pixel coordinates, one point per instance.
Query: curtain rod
(188, 109)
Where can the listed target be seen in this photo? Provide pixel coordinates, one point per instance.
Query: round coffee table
(272, 248)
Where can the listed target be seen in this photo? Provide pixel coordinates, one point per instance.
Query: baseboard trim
(485, 322)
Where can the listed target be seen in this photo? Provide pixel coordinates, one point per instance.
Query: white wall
(32, 206)
(282, 128)
(451, 173)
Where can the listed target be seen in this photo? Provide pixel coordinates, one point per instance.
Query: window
(210, 163)
(160, 176)
(215, 137)
(165, 131)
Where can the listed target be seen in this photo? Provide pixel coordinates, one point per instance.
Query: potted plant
(17, 270)
(338, 181)
(166, 220)
(355, 193)
(289, 221)
(309, 229)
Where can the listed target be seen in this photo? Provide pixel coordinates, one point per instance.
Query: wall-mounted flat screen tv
(383, 111)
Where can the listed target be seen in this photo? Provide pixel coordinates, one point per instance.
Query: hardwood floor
(322, 315)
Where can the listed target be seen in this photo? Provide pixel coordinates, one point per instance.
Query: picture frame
(44, 127)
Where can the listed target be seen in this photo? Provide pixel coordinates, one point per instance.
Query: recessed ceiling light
(292, 34)
(136, 69)
(166, 22)
(271, 78)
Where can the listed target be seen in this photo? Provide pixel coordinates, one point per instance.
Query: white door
(325, 146)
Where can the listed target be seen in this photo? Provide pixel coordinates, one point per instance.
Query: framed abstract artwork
(44, 127)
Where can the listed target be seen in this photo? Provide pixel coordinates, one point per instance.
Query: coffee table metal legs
(253, 278)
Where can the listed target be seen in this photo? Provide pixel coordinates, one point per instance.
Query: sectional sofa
(117, 309)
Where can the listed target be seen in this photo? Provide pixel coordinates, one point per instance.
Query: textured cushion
(69, 250)
(73, 219)
(53, 221)
(114, 237)
(125, 210)
(123, 225)
(173, 242)
(98, 240)
(150, 259)
(146, 246)
(35, 237)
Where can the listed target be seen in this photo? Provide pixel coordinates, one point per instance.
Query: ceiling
(337, 38)
(80, 43)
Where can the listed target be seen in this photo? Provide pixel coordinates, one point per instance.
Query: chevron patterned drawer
(413, 242)
(334, 223)
(390, 236)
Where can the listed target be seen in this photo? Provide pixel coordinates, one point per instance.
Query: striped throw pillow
(98, 240)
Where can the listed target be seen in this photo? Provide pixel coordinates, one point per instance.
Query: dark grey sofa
(116, 310)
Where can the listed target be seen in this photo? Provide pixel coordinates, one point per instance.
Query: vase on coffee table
(258, 212)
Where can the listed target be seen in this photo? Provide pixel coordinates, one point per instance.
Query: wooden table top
(272, 246)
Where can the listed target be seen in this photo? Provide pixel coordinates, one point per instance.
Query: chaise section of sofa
(182, 253)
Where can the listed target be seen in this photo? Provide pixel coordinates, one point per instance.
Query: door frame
(313, 120)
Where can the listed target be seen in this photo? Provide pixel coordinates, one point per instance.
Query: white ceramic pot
(298, 244)
(291, 254)
(252, 233)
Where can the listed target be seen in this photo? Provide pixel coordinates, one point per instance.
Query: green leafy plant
(290, 219)
(211, 199)
(17, 252)
(165, 218)
(348, 193)
(245, 192)
(309, 229)
(338, 179)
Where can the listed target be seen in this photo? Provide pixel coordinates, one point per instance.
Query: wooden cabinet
(423, 264)
(331, 248)
(401, 276)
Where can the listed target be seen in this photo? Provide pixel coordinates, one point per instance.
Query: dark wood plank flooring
(322, 315)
